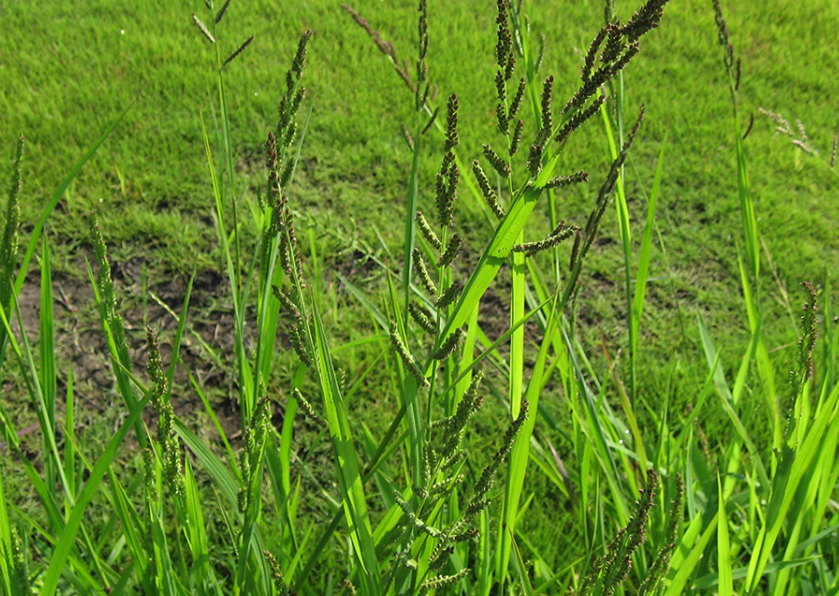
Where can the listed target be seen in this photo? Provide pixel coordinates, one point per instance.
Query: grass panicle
(167, 439)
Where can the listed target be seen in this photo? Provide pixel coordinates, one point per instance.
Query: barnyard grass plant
(422, 505)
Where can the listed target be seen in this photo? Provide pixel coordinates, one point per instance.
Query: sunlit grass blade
(726, 585)
(91, 487)
(685, 564)
(352, 487)
(520, 454)
(794, 463)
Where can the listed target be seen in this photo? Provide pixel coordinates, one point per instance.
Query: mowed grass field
(69, 69)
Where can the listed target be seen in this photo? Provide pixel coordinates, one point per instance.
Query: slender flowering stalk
(400, 66)
(578, 119)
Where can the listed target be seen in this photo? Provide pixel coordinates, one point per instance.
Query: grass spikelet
(560, 181)
(447, 348)
(387, 48)
(422, 65)
(452, 106)
(451, 251)
(447, 181)
(560, 233)
(106, 289)
(833, 151)
(453, 426)
(21, 572)
(546, 107)
(407, 359)
(443, 581)
(515, 105)
(276, 574)
(724, 38)
(497, 162)
(515, 141)
(416, 521)
(221, 12)
(644, 20)
(807, 341)
(605, 192)
(166, 436)
(203, 28)
(578, 119)
(407, 134)
(9, 246)
(300, 348)
(307, 408)
(286, 302)
(431, 120)
(484, 483)
(618, 560)
(422, 273)
(591, 55)
(661, 563)
(449, 295)
(237, 52)
(423, 317)
(427, 232)
(534, 159)
(486, 189)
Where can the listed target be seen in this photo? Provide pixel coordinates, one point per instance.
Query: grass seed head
(11, 233)
(422, 273)
(578, 119)
(534, 159)
(452, 106)
(427, 232)
(449, 295)
(451, 251)
(307, 408)
(423, 317)
(515, 105)
(221, 12)
(238, 51)
(497, 162)
(203, 28)
(407, 359)
(547, 98)
(447, 348)
(486, 189)
(515, 141)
